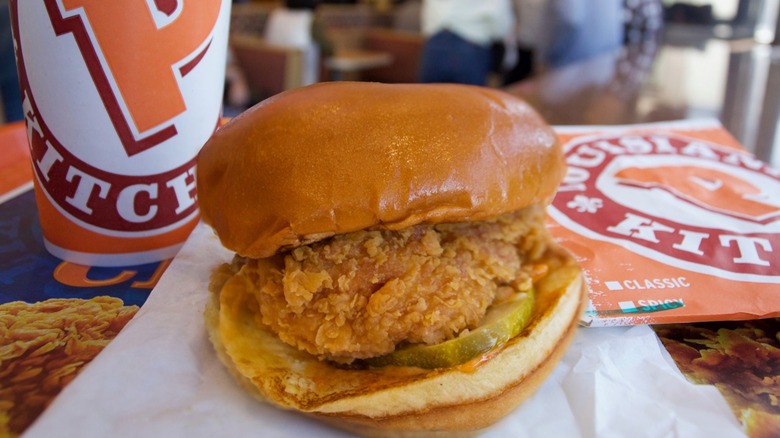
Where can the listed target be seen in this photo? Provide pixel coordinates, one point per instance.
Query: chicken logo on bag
(708, 188)
(683, 202)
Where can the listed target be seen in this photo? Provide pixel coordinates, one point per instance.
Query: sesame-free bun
(391, 401)
(338, 157)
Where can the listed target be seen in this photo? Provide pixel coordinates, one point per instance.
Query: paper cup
(118, 97)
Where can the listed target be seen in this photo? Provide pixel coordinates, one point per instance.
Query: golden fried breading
(358, 295)
(44, 345)
(741, 359)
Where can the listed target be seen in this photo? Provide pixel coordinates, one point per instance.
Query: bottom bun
(396, 401)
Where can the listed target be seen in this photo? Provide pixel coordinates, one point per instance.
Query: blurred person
(296, 25)
(642, 21)
(237, 96)
(525, 39)
(575, 30)
(10, 93)
(460, 36)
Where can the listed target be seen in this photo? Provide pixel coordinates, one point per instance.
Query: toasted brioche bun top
(339, 157)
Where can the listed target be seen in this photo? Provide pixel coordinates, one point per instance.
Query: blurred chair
(249, 18)
(405, 49)
(268, 69)
(346, 24)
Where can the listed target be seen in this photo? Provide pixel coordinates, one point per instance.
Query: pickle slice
(501, 323)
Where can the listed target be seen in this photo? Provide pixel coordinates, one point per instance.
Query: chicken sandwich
(393, 273)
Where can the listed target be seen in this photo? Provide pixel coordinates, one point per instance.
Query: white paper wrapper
(160, 377)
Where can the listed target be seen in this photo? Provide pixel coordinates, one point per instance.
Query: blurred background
(592, 62)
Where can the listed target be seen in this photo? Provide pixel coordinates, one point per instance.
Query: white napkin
(160, 377)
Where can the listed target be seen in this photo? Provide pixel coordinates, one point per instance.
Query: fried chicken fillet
(358, 295)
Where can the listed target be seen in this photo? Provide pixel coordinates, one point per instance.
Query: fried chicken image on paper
(741, 359)
(44, 345)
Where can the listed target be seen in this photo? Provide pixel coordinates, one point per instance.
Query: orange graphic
(72, 274)
(152, 281)
(710, 188)
(151, 93)
(76, 275)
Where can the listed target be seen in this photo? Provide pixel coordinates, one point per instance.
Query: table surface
(737, 82)
(355, 60)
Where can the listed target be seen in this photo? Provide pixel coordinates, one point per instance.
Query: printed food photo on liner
(397, 279)
(741, 359)
(45, 345)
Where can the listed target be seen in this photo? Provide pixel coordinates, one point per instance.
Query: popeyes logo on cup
(679, 201)
(119, 96)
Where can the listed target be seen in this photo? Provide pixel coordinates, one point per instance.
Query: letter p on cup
(119, 96)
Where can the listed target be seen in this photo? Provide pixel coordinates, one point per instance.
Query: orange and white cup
(119, 96)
